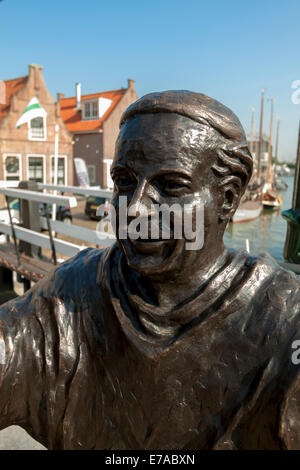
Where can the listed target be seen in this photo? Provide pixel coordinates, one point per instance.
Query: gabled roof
(72, 116)
(11, 87)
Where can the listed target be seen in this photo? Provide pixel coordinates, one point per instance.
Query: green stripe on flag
(33, 106)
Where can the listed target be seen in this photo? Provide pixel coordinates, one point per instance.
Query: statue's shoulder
(268, 282)
(271, 271)
(69, 283)
(282, 285)
(283, 280)
(75, 277)
(274, 304)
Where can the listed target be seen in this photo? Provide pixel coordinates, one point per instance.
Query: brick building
(93, 121)
(27, 153)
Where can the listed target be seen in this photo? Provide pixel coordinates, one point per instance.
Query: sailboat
(270, 198)
(250, 206)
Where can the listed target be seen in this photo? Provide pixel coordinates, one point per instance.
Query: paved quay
(15, 438)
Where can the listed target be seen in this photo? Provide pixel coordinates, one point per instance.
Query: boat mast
(276, 146)
(252, 130)
(269, 167)
(260, 135)
(277, 138)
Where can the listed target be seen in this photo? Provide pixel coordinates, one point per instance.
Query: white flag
(33, 110)
(81, 172)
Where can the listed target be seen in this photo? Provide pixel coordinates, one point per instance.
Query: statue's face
(165, 159)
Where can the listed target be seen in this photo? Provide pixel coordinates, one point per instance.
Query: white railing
(9, 184)
(88, 191)
(81, 233)
(39, 197)
(44, 241)
(39, 239)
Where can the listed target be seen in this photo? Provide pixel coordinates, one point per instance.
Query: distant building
(27, 153)
(93, 120)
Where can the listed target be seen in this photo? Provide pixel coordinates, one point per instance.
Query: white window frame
(65, 157)
(19, 156)
(94, 169)
(32, 155)
(41, 139)
(90, 118)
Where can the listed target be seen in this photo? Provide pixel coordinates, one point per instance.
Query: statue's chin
(148, 256)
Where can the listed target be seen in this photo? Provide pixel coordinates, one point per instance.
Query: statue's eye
(173, 186)
(124, 182)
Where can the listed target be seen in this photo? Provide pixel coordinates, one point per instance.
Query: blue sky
(229, 50)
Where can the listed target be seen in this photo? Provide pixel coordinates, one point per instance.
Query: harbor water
(265, 234)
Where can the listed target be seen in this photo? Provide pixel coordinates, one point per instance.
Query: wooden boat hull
(271, 200)
(247, 211)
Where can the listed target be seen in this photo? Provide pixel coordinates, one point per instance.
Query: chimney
(78, 95)
(33, 67)
(60, 96)
(131, 83)
(36, 71)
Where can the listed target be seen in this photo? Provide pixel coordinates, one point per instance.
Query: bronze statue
(148, 345)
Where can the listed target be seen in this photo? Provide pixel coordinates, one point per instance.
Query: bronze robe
(88, 364)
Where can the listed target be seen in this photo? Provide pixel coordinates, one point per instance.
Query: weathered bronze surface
(147, 345)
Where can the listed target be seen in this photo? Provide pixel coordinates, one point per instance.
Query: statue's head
(183, 148)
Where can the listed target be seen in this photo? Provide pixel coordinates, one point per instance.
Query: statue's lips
(149, 245)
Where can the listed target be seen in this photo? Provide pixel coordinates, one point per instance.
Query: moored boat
(247, 211)
(271, 199)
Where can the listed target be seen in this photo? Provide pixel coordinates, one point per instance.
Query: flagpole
(252, 129)
(55, 167)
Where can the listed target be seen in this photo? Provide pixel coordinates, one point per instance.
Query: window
(12, 167)
(92, 173)
(95, 109)
(90, 110)
(36, 169)
(87, 110)
(37, 129)
(61, 170)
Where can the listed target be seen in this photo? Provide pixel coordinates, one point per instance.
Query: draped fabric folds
(88, 360)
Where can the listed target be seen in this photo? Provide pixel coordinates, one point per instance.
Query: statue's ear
(231, 198)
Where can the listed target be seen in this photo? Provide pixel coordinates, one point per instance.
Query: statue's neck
(172, 288)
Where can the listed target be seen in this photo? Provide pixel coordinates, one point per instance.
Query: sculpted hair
(234, 163)
(233, 167)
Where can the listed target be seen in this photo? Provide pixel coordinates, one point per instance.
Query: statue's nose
(140, 204)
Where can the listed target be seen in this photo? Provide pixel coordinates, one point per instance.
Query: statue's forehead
(164, 139)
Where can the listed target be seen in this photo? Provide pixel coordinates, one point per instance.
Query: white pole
(55, 167)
